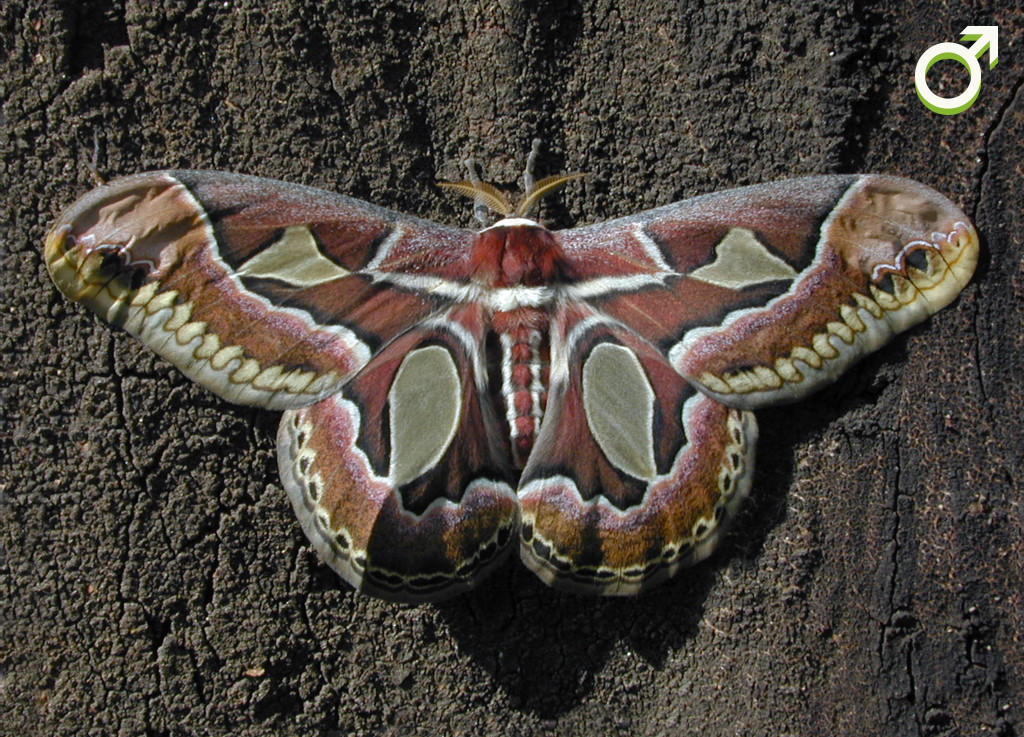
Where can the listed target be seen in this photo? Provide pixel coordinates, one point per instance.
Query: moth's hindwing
(634, 474)
(761, 295)
(263, 292)
(401, 480)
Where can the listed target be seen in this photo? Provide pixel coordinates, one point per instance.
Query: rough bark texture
(153, 579)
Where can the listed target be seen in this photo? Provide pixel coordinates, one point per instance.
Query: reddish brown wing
(402, 479)
(634, 473)
(266, 293)
(762, 294)
(757, 295)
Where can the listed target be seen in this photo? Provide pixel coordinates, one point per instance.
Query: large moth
(583, 395)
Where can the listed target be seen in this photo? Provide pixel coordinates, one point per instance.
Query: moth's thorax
(517, 252)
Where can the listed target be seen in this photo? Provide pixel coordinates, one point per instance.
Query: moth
(449, 395)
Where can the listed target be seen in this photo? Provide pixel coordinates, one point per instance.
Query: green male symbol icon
(984, 37)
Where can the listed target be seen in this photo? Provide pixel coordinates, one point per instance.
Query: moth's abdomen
(525, 359)
(516, 260)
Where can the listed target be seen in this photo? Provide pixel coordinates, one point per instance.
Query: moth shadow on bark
(785, 428)
(546, 649)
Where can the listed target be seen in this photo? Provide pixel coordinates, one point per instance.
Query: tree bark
(154, 579)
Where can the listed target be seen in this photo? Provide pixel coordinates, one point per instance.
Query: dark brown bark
(153, 579)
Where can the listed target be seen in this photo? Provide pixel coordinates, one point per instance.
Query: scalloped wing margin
(263, 292)
(763, 294)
